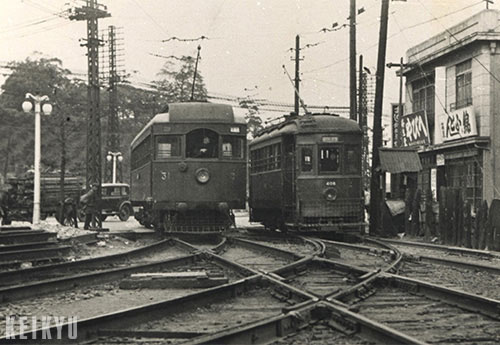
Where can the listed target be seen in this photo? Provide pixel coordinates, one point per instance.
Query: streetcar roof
(193, 112)
(309, 124)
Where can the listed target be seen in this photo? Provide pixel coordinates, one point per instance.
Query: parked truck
(16, 199)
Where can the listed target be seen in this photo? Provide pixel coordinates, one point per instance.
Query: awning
(399, 160)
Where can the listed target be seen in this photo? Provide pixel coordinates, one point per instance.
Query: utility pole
(488, 2)
(375, 192)
(113, 172)
(401, 65)
(91, 13)
(352, 60)
(363, 123)
(195, 71)
(297, 74)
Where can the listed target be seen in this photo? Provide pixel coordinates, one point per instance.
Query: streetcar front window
(307, 163)
(202, 143)
(232, 147)
(168, 146)
(329, 159)
(353, 160)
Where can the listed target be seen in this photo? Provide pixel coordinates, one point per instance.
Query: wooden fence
(456, 223)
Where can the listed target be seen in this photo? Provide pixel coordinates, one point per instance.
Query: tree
(176, 80)
(43, 76)
(254, 122)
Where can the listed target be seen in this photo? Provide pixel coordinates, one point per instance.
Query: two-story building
(452, 108)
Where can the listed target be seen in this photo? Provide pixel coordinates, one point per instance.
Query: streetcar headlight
(202, 175)
(330, 194)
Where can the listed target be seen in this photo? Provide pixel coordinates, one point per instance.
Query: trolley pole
(297, 74)
(375, 192)
(195, 71)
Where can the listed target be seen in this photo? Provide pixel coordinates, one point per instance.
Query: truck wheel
(125, 212)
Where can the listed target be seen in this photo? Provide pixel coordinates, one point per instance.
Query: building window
(463, 82)
(465, 174)
(423, 99)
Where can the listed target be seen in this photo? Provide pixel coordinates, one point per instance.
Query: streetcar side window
(267, 158)
(232, 147)
(141, 154)
(202, 143)
(307, 159)
(168, 146)
(352, 160)
(277, 156)
(329, 159)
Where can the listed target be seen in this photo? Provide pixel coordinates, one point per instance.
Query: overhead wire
(393, 35)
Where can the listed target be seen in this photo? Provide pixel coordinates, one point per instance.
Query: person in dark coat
(89, 203)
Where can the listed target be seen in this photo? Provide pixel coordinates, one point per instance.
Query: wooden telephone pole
(376, 199)
(352, 61)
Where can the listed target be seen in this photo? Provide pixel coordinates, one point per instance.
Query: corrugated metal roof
(398, 160)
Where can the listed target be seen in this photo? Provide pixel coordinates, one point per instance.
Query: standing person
(88, 200)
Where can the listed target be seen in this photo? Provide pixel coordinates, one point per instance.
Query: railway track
(430, 313)
(19, 245)
(255, 255)
(158, 251)
(307, 298)
(473, 271)
(370, 255)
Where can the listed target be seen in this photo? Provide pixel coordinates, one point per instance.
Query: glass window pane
(353, 160)
(307, 162)
(232, 147)
(168, 146)
(329, 160)
(202, 143)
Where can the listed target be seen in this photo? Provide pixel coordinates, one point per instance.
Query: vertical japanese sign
(396, 142)
(414, 129)
(458, 124)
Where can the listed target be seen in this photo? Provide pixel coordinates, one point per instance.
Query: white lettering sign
(458, 124)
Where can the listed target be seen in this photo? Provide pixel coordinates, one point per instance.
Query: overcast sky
(248, 40)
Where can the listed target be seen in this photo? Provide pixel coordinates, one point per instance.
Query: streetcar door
(288, 176)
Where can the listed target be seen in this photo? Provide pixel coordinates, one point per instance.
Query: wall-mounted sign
(414, 129)
(395, 124)
(330, 139)
(458, 124)
(434, 184)
(440, 159)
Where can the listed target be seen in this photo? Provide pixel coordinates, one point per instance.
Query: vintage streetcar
(188, 168)
(305, 175)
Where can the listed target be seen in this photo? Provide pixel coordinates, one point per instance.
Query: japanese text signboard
(395, 124)
(460, 123)
(414, 129)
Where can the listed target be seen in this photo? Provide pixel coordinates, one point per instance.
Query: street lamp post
(113, 156)
(46, 108)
